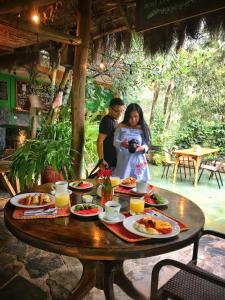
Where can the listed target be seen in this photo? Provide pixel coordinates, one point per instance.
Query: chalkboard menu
(4, 90)
(23, 90)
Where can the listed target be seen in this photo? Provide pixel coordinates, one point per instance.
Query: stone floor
(28, 273)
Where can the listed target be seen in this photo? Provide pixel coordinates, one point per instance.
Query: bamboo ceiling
(112, 22)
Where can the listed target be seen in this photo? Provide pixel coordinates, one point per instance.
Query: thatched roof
(161, 23)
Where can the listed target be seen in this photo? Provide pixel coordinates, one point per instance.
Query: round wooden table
(100, 251)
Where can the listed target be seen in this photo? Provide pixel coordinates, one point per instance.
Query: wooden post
(79, 82)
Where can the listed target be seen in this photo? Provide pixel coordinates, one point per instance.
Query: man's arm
(100, 140)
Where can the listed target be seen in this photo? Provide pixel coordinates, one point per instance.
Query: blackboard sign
(23, 91)
(153, 14)
(4, 90)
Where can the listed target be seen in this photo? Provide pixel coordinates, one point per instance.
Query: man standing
(106, 150)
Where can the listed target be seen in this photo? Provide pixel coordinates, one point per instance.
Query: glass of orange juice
(115, 181)
(137, 206)
(62, 200)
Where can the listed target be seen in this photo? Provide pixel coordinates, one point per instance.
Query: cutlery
(40, 211)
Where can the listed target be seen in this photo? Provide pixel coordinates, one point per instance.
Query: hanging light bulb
(35, 17)
(102, 65)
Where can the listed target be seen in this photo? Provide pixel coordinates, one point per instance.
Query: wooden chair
(5, 163)
(168, 162)
(191, 282)
(214, 167)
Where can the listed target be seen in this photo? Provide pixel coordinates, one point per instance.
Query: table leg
(197, 164)
(86, 282)
(175, 169)
(102, 275)
(125, 284)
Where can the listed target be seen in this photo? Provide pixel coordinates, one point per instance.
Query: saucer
(140, 193)
(68, 191)
(119, 219)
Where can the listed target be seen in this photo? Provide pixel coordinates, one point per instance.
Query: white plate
(15, 200)
(120, 218)
(100, 209)
(68, 191)
(128, 223)
(128, 185)
(80, 188)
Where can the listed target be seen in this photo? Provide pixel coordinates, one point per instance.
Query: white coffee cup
(61, 186)
(112, 210)
(141, 186)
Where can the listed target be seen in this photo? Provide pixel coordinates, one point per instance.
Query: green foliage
(202, 133)
(51, 147)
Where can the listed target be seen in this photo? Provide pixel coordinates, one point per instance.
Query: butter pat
(87, 198)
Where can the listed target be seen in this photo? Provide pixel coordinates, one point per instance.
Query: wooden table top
(90, 239)
(191, 152)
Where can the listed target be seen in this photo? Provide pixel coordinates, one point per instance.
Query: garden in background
(182, 94)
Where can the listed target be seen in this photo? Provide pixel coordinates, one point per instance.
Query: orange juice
(115, 181)
(62, 200)
(136, 206)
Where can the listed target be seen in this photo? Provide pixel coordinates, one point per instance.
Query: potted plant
(51, 149)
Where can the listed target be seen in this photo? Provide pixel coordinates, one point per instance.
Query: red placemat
(61, 212)
(119, 230)
(128, 191)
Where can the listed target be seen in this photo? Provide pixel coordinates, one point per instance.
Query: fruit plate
(128, 186)
(80, 185)
(86, 210)
(152, 202)
(16, 200)
(128, 223)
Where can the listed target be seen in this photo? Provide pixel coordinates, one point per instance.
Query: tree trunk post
(79, 82)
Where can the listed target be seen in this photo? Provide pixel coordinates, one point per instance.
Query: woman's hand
(124, 143)
(140, 148)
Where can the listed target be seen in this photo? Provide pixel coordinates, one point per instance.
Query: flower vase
(106, 192)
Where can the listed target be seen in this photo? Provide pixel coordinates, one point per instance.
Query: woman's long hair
(136, 107)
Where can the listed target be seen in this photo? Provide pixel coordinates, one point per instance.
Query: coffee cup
(60, 186)
(141, 186)
(112, 210)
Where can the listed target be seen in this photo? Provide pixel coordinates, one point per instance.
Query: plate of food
(86, 209)
(81, 185)
(32, 200)
(129, 182)
(158, 227)
(155, 200)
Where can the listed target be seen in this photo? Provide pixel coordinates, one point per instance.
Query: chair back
(167, 155)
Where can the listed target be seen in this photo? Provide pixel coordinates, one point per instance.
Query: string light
(102, 65)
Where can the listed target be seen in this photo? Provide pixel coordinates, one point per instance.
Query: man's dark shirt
(108, 126)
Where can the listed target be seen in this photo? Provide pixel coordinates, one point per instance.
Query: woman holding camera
(132, 138)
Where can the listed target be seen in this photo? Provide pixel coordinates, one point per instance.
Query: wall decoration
(4, 95)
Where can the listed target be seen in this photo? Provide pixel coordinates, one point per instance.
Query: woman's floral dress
(130, 164)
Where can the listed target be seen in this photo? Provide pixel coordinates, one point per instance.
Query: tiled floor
(28, 273)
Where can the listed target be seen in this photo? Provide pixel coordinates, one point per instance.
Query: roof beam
(123, 13)
(45, 33)
(17, 6)
(203, 7)
(100, 35)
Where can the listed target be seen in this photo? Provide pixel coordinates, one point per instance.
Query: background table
(196, 155)
(100, 251)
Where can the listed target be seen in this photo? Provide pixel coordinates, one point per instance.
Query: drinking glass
(115, 181)
(137, 206)
(62, 200)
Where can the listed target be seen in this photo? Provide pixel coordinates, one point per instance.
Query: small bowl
(87, 198)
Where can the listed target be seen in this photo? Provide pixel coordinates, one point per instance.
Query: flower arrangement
(107, 189)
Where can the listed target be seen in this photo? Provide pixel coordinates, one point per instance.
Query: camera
(132, 145)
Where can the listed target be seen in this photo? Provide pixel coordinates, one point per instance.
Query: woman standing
(133, 127)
